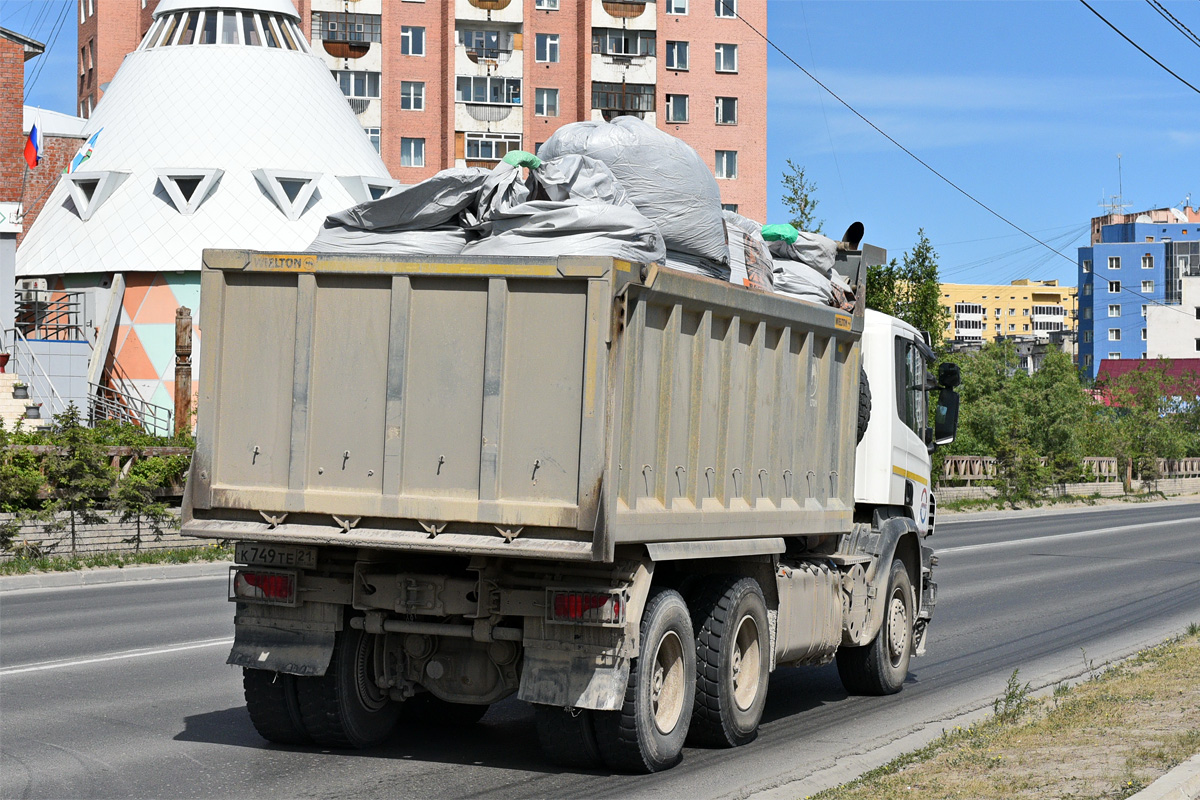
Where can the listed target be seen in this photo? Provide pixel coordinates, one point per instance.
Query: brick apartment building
(443, 83)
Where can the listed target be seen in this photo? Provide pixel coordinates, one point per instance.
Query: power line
(1139, 47)
(918, 159)
(58, 25)
(1171, 18)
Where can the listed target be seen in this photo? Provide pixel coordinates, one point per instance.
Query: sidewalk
(1181, 783)
(103, 575)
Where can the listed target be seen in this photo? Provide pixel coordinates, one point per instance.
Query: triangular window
(290, 190)
(188, 188)
(89, 190)
(364, 188)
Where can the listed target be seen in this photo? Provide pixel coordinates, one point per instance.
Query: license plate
(275, 555)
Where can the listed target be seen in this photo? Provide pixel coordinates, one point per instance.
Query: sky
(1024, 105)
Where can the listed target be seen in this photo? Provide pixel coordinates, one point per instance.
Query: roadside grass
(1109, 736)
(22, 566)
(991, 503)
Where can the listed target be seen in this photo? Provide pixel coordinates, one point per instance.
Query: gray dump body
(534, 408)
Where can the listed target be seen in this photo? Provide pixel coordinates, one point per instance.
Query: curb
(1052, 510)
(108, 575)
(1181, 783)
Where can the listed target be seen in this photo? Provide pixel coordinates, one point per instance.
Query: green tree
(79, 476)
(883, 288)
(910, 290)
(798, 197)
(1151, 417)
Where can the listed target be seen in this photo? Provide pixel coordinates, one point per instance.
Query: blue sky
(1023, 104)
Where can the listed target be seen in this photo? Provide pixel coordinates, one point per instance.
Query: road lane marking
(1057, 537)
(139, 653)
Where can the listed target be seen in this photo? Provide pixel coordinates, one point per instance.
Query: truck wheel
(274, 707)
(344, 707)
(733, 662)
(881, 666)
(647, 734)
(566, 736)
(425, 709)
(864, 404)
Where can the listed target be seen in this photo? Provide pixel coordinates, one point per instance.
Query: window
(1114, 262)
(727, 58)
(910, 385)
(1114, 287)
(734, 207)
(1114, 310)
(1087, 313)
(1114, 334)
(546, 48)
(1143, 334)
(1024, 312)
(1012, 327)
(1012, 312)
(412, 41)
(546, 5)
(1147, 286)
(358, 84)
(676, 6)
(1114, 356)
(1024, 327)
(1147, 261)
(727, 164)
(412, 152)
(229, 32)
(491, 146)
(1198, 345)
(373, 135)
(615, 99)
(997, 328)
(623, 42)
(1144, 312)
(336, 26)
(481, 44)
(1087, 289)
(412, 95)
(1087, 361)
(998, 310)
(677, 55)
(1197, 311)
(1086, 266)
(503, 91)
(726, 111)
(545, 102)
(727, 8)
(677, 108)
(1087, 336)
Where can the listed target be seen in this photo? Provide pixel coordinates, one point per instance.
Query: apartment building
(981, 312)
(444, 83)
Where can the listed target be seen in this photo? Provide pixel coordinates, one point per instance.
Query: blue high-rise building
(1133, 265)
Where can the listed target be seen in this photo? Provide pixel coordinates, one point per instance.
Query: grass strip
(24, 566)
(1109, 736)
(991, 503)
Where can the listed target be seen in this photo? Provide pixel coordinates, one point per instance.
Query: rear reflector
(585, 608)
(277, 587)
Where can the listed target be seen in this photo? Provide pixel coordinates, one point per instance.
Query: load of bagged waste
(622, 190)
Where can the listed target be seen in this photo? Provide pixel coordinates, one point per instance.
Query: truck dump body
(535, 408)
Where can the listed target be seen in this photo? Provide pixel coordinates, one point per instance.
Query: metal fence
(55, 537)
(968, 470)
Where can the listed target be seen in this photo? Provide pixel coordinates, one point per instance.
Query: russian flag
(35, 144)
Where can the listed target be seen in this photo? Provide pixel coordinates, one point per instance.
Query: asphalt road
(121, 690)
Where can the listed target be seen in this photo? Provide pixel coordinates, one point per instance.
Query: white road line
(79, 662)
(1058, 537)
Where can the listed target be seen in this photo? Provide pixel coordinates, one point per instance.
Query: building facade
(444, 83)
(1023, 308)
(1135, 266)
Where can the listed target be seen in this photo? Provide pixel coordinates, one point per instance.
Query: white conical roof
(270, 6)
(205, 145)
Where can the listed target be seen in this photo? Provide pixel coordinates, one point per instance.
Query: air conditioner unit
(33, 290)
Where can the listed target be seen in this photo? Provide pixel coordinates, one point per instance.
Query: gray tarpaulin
(433, 242)
(666, 179)
(811, 249)
(750, 259)
(696, 265)
(432, 202)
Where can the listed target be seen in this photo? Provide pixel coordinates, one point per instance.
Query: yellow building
(1021, 308)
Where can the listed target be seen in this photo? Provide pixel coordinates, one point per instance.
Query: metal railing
(107, 403)
(970, 469)
(57, 317)
(26, 364)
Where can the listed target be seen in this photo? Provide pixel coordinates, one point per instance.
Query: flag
(85, 152)
(35, 143)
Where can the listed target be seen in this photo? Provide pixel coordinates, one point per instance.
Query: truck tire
(880, 667)
(274, 707)
(648, 733)
(425, 709)
(567, 736)
(344, 707)
(864, 404)
(733, 662)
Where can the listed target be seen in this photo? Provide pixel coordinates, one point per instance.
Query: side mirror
(945, 418)
(949, 375)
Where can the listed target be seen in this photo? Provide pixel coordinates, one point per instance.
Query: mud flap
(573, 680)
(298, 641)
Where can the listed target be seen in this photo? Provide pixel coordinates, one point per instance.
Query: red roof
(1184, 371)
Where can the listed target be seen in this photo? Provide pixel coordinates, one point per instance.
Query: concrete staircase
(12, 410)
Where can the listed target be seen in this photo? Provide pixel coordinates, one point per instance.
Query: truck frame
(623, 493)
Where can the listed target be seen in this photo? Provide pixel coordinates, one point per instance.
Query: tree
(136, 502)
(798, 197)
(911, 289)
(78, 473)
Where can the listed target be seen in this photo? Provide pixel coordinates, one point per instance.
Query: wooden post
(183, 370)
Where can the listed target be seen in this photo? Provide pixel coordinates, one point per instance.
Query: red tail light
(263, 586)
(586, 608)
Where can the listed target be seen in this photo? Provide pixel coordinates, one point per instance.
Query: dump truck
(622, 493)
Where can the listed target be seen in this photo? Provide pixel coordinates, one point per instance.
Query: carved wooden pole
(183, 370)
